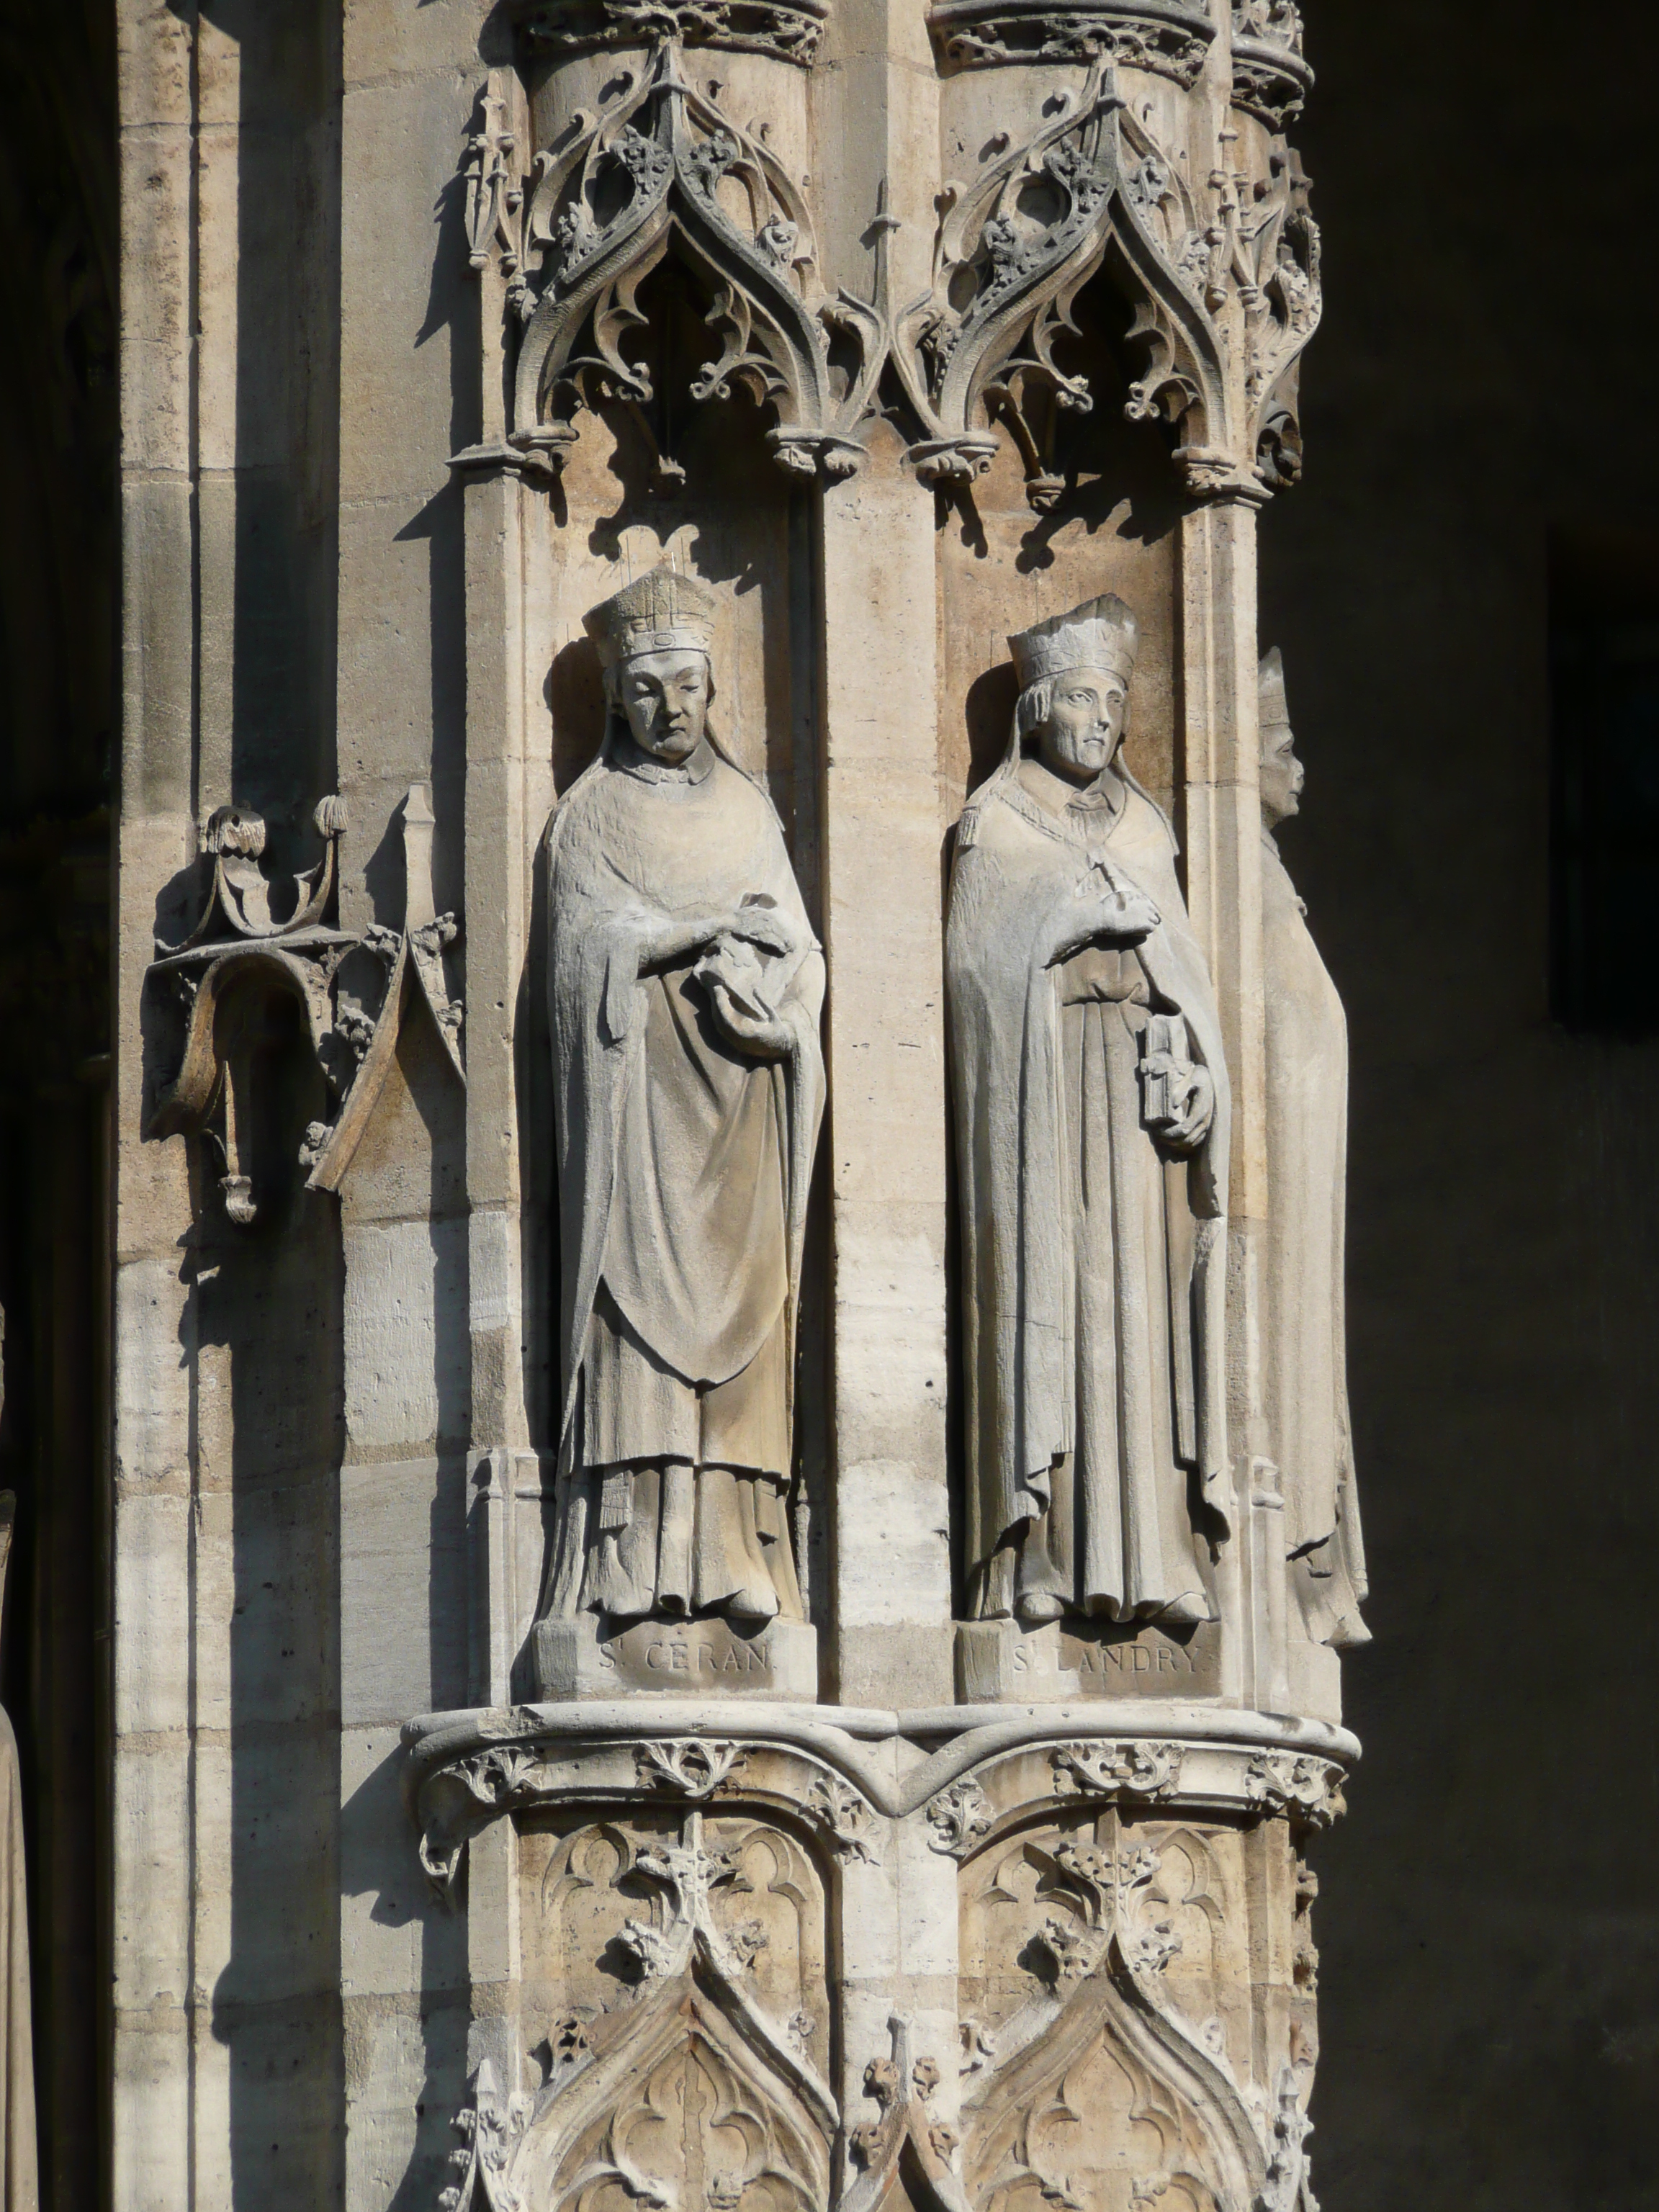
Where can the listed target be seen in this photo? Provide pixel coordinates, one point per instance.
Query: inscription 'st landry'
(685, 985)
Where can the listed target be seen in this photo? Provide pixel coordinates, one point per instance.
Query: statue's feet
(1186, 1611)
(1037, 1608)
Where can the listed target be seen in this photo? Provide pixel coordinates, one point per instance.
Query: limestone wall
(484, 369)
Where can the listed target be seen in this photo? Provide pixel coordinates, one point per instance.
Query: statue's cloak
(633, 846)
(1306, 1361)
(1016, 864)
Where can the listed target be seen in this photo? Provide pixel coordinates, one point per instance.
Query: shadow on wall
(270, 1444)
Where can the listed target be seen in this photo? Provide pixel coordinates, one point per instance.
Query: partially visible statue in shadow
(20, 2184)
(685, 985)
(1306, 1357)
(1091, 1116)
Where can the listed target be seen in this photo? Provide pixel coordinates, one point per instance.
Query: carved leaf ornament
(1101, 2032)
(663, 167)
(1091, 189)
(687, 2094)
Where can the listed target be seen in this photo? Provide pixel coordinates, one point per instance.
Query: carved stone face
(1084, 726)
(1282, 774)
(664, 696)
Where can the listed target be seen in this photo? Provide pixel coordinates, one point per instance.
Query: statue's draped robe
(1307, 1186)
(683, 1164)
(1093, 1267)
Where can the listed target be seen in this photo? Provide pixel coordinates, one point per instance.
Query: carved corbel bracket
(452, 1799)
(657, 169)
(238, 965)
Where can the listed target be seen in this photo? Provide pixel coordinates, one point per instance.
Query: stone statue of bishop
(1092, 1115)
(1306, 1363)
(685, 985)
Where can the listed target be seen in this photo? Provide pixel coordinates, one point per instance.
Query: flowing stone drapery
(685, 1136)
(1308, 1172)
(1093, 1365)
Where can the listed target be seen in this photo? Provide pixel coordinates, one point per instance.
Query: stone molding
(1161, 35)
(787, 32)
(466, 1770)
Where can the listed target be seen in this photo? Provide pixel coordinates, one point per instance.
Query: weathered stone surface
(690, 579)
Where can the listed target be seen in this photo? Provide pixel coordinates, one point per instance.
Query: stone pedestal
(998, 1662)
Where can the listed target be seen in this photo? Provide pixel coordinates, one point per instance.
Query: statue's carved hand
(1124, 918)
(760, 926)
(1191, 1088)
(759, 1034)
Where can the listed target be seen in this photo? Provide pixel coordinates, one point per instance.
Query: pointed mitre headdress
(1270, 685)
(1100, 634)
(662, 612)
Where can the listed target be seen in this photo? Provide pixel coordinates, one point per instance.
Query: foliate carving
(790, 33)
(1171, 40)
(683, 2088)
(689, 1875)
(958, 1816)
(1100, 2050)
(1309, 1790)
(489, 2126)
(1090, 189)
(690, 1767)
(1287, 2158)
(1143, 1771)
(660, 167)
(844, 1814)
(1114, 1887)
(906, 2146)
(1270, 77)
(459, 1799)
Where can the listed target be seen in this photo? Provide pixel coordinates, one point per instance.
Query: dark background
(1477, 418)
